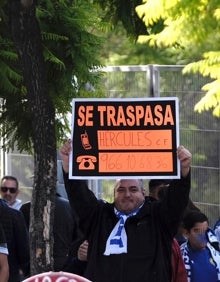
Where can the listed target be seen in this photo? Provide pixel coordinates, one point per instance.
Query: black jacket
(17, 240)
(149, 234)
(64, 229)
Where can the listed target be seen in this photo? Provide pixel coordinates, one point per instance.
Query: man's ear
(144, 192)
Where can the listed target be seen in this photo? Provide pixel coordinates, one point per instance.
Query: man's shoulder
(4, 208)
(10, 212)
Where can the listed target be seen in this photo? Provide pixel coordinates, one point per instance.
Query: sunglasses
(12, 190)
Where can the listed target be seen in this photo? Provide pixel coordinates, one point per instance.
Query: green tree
(46, 56)
(193, 29)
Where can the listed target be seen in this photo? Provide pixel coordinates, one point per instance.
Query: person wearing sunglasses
(9, 191)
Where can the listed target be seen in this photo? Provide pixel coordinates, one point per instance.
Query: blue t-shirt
(202, 266)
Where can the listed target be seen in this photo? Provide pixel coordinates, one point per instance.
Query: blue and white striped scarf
(117, 240)
(214, 254)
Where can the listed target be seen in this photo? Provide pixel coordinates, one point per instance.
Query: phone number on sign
(136, 162)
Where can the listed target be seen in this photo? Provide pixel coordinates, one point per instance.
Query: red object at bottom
(56, 277)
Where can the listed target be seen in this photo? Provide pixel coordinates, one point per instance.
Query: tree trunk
(26, 35)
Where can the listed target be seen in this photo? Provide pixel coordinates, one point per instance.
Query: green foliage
(193, 29)
(123, 11)
(9, 77)
(209, 66)
(71, 50)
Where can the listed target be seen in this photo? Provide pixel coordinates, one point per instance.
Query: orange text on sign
(135, 115)
(135, 162)
(126, 116)
(134, 139)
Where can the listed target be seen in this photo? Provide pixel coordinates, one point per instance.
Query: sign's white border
(127, 100)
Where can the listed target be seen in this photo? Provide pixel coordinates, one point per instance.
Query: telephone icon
(85, 141)
(86, 162)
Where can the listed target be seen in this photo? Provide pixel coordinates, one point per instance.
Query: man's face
(197, 235)
(8, 195)
(128, 195)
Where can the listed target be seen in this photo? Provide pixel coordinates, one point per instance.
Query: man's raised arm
(64, 154)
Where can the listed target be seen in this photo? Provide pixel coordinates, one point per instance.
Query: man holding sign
(130, 239)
